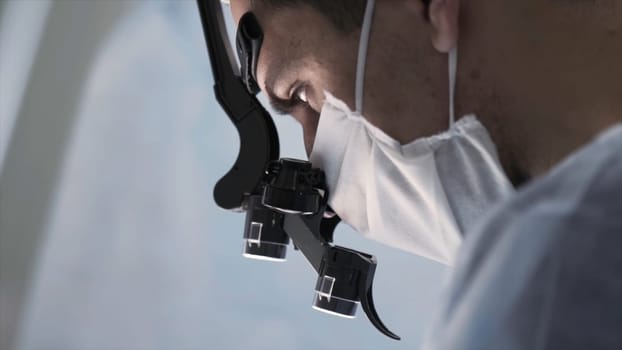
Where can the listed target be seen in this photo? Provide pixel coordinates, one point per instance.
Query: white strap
(453, 67)
(362, 56)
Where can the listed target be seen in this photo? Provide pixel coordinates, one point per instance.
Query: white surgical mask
(419, 197)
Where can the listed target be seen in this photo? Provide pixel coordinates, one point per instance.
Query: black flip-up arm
(259, 141)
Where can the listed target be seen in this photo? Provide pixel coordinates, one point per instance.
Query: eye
(299, 93)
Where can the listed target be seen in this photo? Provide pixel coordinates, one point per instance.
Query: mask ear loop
(362, 56)
(453, 67)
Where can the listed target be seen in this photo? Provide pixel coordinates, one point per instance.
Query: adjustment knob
(292, 188)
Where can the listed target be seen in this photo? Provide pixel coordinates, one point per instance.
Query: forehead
(263, 11)
(240, 7)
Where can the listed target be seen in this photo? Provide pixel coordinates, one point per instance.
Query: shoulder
(579, 200)
(545, 266)
(584, 192)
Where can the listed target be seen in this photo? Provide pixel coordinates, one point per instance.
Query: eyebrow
(281, 106)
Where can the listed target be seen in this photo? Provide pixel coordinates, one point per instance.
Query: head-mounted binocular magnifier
(283, 198)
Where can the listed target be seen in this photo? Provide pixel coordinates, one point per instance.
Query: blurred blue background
(110, 144)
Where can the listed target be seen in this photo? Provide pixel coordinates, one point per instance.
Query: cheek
(335, 73)
(336, 82)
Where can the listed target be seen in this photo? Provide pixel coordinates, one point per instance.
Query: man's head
(311, 46)
(525, 67)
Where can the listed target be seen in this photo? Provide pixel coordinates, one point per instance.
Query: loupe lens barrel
(264, 237)
(335, 306)
(337, 287)
(265, 251)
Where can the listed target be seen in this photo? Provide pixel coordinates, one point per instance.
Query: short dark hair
(345, 15)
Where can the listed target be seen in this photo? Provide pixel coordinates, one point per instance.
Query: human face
(302, 56)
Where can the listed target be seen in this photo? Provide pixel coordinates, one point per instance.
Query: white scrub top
(544, 269)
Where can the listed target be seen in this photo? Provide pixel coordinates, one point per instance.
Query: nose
(308, 144)
(309, 120)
